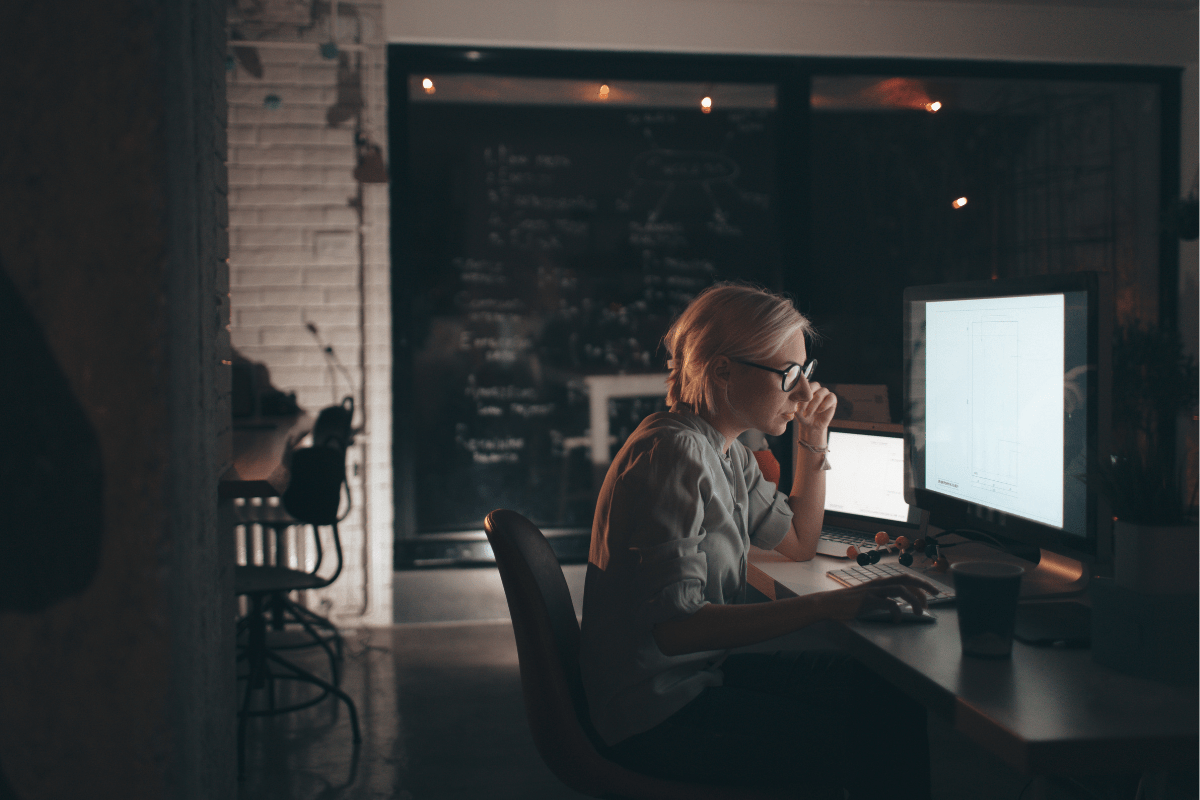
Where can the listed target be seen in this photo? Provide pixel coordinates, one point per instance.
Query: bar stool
(311, 500)
(280, 533)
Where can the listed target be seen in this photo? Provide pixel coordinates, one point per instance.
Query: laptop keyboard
(832, 533)
(853, 576)
(834, 541)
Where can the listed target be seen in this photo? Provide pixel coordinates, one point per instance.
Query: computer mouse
(907, 614)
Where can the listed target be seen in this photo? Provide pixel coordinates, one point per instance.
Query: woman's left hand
(813, 417)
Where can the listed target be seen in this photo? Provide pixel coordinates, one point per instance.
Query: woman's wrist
(816, 442)
(839, 604)
(812, 437)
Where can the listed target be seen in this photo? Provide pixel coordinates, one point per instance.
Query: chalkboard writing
(549, 246)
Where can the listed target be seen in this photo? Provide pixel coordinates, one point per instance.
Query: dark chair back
(547, 636)
(314, 489)
(313, 495)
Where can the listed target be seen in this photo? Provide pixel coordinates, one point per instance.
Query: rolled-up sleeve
(663, 513)
(670, 578)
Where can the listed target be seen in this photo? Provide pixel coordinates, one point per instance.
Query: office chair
(311, 500)
(547, 635)
(767, 464)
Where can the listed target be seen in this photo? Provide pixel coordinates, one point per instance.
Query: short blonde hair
(736, 320)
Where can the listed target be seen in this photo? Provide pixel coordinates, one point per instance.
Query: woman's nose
(802, 392)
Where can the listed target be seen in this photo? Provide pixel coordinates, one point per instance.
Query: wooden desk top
(1046, 710)
(259, 448)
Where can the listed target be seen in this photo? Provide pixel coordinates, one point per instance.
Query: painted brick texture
(295, 260)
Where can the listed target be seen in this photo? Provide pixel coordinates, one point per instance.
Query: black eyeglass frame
(806, 370)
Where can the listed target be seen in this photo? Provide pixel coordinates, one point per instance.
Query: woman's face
(756, 398)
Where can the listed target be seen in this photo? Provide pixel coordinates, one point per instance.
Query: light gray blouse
(673, 525)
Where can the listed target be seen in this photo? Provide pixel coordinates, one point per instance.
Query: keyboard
(835, 540)
(853, 576)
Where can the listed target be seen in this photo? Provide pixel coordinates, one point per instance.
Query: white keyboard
(853, 576)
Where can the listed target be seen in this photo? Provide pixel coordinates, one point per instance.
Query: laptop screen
(867, 479)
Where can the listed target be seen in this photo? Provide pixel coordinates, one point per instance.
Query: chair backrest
(314, 493)
(547, 636)
(768, 464)
(314, 489)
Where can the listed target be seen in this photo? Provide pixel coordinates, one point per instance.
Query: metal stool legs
(261, 676)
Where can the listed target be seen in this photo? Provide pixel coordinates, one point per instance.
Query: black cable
(973, 535)
(332, 361)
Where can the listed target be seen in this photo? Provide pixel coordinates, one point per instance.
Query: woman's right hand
(881, 593)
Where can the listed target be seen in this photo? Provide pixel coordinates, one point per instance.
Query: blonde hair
(736, 320)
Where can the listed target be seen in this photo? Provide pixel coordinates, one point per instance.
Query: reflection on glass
(1007, 178)
(515, 90)
(557, 227)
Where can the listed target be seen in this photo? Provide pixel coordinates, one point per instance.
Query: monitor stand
(1061, 623)
(1054, 576)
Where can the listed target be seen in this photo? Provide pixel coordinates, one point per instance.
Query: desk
(1045, 711)
(259, 469)
(259, 447)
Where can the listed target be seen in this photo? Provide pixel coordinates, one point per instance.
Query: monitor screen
(1005, 406)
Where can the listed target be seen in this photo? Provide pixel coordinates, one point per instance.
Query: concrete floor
(462, 594)
(442, 716)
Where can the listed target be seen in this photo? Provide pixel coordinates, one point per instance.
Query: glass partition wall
(937, 179)
(552, 211)
(561, 224)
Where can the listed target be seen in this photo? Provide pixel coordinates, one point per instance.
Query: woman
(664, 600)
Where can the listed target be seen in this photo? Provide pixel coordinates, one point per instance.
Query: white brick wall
(294, 259)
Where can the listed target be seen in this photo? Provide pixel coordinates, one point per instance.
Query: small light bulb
(933, 107)
(706, 105)
(604, 91)
(427, 85)
(960, 202)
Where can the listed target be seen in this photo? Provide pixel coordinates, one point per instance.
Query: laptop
(864, 489)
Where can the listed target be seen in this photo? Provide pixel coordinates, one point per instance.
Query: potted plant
(1152, 492)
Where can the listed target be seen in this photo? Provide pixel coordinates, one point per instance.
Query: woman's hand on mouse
(881, 593)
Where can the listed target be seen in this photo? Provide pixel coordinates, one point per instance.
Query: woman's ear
(719, 368)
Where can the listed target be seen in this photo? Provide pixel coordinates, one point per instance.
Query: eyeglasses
(791, 375)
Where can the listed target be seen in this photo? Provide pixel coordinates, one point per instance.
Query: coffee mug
(986, 596)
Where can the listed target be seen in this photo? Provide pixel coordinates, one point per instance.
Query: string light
(960, 202)
(604, 91)
(427, 85)
(933, 107)
(706, 105)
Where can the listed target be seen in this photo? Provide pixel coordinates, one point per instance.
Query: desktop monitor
(1006, 405)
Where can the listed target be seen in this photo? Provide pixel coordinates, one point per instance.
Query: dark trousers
(809, 723)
